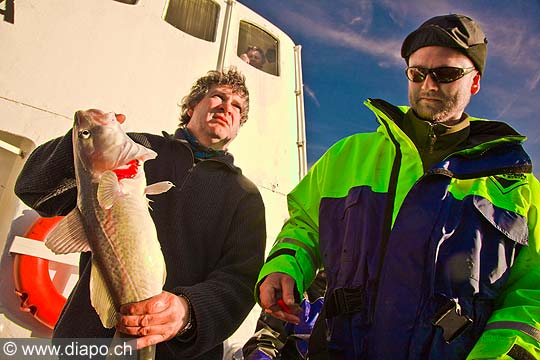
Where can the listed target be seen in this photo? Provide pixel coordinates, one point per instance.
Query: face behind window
(256, 58)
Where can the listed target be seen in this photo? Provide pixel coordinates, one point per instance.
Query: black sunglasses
(445, 74)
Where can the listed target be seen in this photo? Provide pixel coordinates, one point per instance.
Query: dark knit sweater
(211, 227)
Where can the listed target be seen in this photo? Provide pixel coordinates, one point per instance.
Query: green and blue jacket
(436, 264)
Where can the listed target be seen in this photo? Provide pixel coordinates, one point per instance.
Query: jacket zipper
(389, 210)
(432, 138)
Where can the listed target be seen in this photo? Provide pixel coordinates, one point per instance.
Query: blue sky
(350, 52)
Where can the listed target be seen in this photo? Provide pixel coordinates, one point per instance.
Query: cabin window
(258, 48)
(131, 2)
(13, 151)
(195, 17)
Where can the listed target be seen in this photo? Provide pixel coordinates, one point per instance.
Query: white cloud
(309, 92)
(535, 80)
(309, 20)
(355, 20)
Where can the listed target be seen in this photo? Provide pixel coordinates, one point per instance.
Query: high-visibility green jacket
(436, 264)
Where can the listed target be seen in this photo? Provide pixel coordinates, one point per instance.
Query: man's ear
(475, 87)
(190, 112)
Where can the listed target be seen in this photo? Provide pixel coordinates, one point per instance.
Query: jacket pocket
(347, 243)
(510, 224)
(477, 245)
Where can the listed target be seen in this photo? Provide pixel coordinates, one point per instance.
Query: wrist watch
(189, 323)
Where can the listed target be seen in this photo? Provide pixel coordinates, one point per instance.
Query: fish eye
(84, 134)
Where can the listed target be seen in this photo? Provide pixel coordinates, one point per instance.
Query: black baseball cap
(454, 31)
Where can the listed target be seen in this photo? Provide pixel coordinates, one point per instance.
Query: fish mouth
(132, 156)
(125, 159)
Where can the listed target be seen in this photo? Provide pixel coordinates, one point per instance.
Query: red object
(284, 306)
(33, 284)
(129, 172)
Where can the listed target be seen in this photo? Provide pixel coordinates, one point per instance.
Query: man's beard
(442, 111)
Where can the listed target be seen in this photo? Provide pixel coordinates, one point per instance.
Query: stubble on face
(438, 106)
(434, 102)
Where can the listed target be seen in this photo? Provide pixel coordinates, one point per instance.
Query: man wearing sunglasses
(427, 228)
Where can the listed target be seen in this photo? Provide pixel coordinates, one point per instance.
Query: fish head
(100, 143)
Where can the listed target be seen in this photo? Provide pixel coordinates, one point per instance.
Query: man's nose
(429, 82)
(227, 107)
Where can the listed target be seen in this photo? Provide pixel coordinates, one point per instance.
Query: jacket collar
(492, 147)
(484, 133)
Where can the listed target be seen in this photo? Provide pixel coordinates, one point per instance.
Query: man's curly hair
(231, 77)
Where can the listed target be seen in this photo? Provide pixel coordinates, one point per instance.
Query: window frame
(186, 28)
(243, 39)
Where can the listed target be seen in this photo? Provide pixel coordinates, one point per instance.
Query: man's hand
(155, 320)
(277, 286)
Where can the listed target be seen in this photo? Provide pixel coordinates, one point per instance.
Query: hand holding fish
(155, 320)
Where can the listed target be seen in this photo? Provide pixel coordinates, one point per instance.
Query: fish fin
(158, 188)
(101, 298)
(68, 236)
(108, 190)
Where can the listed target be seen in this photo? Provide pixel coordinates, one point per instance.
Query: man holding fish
(208, 217)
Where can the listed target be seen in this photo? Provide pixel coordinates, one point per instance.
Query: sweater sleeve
(47, 181)
(224, 299)
(513, 330)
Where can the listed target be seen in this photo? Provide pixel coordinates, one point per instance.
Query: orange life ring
(33, 283)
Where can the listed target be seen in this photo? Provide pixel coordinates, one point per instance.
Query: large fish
(112, 218)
